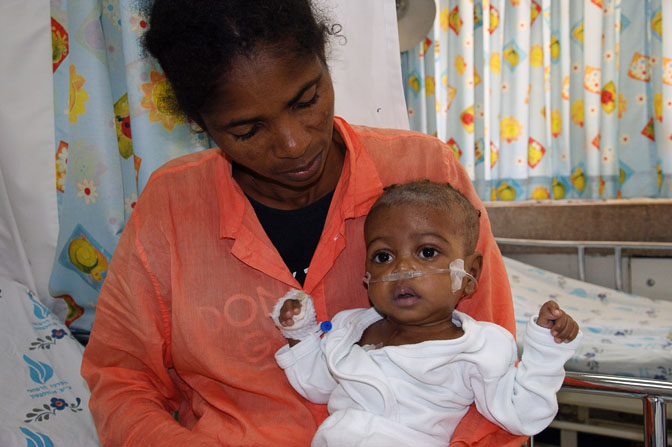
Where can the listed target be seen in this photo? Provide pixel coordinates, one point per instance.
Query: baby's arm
(302, 359)
(523, 400)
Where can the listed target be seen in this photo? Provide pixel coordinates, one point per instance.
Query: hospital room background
(559, 110)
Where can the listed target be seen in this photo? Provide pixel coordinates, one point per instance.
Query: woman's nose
(291, 139)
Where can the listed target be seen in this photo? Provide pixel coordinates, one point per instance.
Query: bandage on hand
(304, 322)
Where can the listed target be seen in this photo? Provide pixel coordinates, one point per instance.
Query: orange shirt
(182, 319)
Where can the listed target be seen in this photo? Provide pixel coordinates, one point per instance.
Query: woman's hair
(197, 41)
(439, 196)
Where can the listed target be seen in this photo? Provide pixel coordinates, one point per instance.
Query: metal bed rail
(581, 246)
(653, 393)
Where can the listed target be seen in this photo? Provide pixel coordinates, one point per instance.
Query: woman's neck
(275, 195)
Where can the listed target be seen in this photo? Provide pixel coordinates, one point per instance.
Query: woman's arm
(127, 359)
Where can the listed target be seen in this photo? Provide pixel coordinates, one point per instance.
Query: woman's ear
(473, 265)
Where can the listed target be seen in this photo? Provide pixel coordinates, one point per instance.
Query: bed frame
(654, 394)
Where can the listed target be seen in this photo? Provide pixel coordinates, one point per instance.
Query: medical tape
(456, 270)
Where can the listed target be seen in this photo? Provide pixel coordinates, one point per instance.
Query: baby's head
(460, 215)
(420, 244)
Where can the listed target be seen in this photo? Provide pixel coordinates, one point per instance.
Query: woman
(182, 320)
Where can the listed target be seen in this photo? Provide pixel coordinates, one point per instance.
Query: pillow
(44, 398)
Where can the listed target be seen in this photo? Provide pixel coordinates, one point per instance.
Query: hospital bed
(626, 356)
(619, 381)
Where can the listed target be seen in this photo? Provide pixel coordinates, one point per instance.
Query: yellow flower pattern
(460, 65)
(536, 56)
(160, 101)
(429, 86)
(556, 123)
(540, 193)
(510, 129)
(467, 119)
(658, 106)
(78, 95)
(495, 62)
(576, 112)
(510, 84)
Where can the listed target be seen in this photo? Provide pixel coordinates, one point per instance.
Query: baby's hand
(289, 309)
(563, 328)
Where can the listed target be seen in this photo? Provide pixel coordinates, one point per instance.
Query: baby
(404, 372)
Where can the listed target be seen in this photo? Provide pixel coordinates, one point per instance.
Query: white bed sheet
(45, 401)
(624, 334)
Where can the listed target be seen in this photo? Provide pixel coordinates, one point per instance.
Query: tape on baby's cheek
(457, 273)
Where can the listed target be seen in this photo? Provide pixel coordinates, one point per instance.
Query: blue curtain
(545, 99)
(113, 128)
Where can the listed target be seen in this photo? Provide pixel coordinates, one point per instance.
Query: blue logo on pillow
(39, 310)
(36, 439)
(40, 372)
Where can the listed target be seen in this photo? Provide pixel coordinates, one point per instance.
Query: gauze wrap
(305, 322)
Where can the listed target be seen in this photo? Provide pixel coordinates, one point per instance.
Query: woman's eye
(307, 99)
(381, 258)
(247, 135)
(428, 252)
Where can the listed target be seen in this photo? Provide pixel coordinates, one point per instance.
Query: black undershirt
(295, 233)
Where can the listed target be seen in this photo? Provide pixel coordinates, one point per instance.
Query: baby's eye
(428, 252)
(381, 257)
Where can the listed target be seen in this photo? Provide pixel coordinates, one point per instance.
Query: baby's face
(418, 238)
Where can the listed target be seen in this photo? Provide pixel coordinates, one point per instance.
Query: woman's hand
(563, 328)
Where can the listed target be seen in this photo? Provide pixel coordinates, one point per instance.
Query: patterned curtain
(546, 99)
(112, 130)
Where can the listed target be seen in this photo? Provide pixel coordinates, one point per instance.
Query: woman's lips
(405, 296)
(305, 172)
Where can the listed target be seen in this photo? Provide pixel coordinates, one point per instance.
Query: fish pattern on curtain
(544, 99)
(113, 128)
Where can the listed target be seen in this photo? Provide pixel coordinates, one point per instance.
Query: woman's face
(273, 116)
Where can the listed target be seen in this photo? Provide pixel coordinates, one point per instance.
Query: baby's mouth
(405, 296)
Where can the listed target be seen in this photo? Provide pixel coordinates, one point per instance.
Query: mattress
(624, 334)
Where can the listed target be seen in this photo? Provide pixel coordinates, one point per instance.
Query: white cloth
(416, 394)
(45, 401)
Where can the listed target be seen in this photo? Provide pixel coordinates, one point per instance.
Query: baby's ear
(473, 265)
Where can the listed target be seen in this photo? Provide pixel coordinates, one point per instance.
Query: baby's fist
(289, 309)
(563, 328)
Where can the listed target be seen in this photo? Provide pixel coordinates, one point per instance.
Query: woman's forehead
(266, 75)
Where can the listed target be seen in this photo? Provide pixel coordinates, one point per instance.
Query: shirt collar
(357, 189)
(359, 179)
